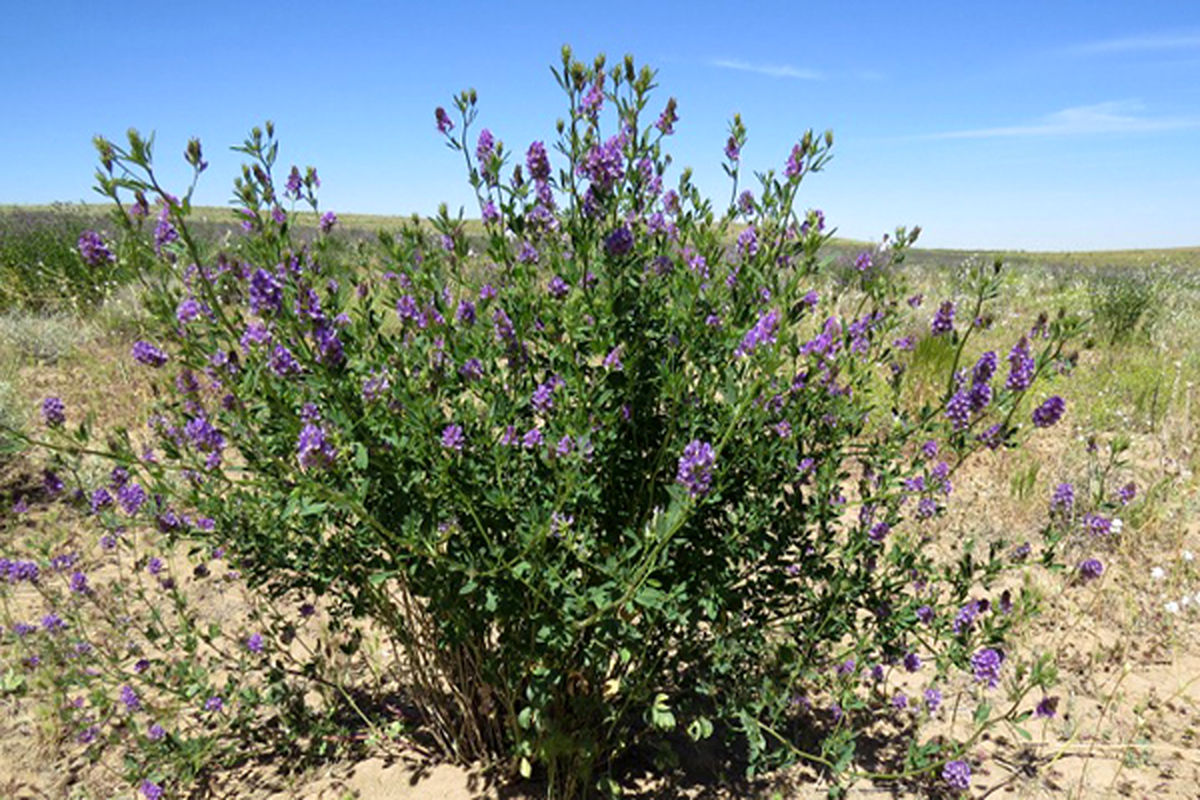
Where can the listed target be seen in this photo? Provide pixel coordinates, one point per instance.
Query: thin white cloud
(770, 70)
(1134, 44)
(1111, 117)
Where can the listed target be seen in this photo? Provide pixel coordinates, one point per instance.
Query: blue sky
(1024, 125)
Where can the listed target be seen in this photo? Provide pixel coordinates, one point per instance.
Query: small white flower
(1188, 556)
(1115, 526)
(1158, 573)
(1172, 607)
(1185, 601)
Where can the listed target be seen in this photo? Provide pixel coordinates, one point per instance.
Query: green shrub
(628, 474)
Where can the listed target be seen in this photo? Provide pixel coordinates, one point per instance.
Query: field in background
(1128, 645)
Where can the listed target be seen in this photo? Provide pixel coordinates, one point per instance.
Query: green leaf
(700, 728)
(982, 713)
(661, 716)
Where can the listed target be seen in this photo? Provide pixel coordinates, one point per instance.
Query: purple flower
(254, 643)
(1049, 412)
(1097, 525)
(444, 123)
(746, 202)
(472, 369)
(532, 438)
(188, 309)
(747, 242)
(266, 293)
(957, 775)
(564, 447)
(52, 623)
(612, 361)
(528, 254)
(733, 150)
(543, 397)
(762, 333)
(51, 482)
(283, 363)
(984, 368)
(667, 119)
(1126, 493)
(93, 250)
(156, 732)
(537, 162)
(151, 790)
(148, 354)
(925, 614)
(453, 438)
(328, 220)
(912, 662)
(53, 412)
(795, 162)
(929, 449)
(100, 499)
(313, 448)
(1047, 708)
(933, 699)
(154, 566)
(619, 242)
(879, 531)
(164, 231)
(490, 214)
(131, 496)
(986, 666)
(696, 467)
(966, 616)
(465, 313)
(558, 288)
(79, 583)
(604, 164)
(900, 701)
(214, 703)
(484, 150)
(130, 699)
(591, 102)
(1063, 499)
(1020, 367)
(943, 320)
(958, 409)
(1090, 569)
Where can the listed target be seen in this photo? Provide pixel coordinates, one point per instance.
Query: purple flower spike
(1090, 569)
(53, 412)
(943, 320)
(957, 775)
(986, 665)
(93, 250)
(148, 354)
(696, 467)
(453, 438)
(1049, 412)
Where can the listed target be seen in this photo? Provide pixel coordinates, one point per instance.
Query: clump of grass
(11, 418)
(46, 338)
(1124, 304)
